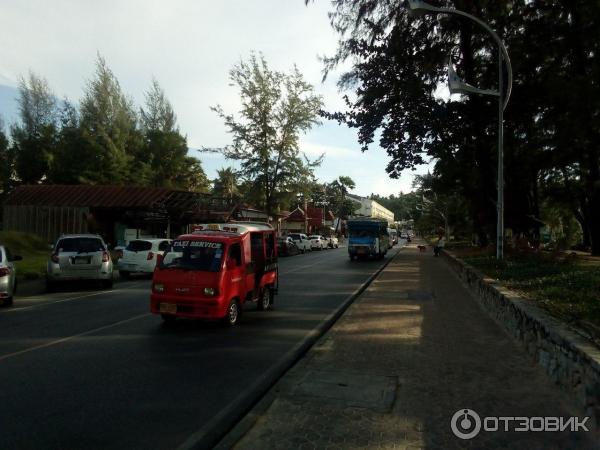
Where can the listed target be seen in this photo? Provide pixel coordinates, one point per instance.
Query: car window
(8, 254)
(1, 253)
(139, 246)
(164, 245)
(80, 245)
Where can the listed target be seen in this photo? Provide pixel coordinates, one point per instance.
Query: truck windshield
(194, 255)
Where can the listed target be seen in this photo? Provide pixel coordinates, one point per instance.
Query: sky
(189, 46)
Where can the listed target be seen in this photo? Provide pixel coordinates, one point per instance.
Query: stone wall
(567, 357)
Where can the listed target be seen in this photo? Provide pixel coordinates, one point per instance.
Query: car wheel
(107, 284)
(233, 314)
(264, 302)
(124, 274)
(7, 301)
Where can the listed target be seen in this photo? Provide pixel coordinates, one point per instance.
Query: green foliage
(226, 185)
(32, 248)
(563, 286)
(276, 108)
(34, 139)
(7, 162)
(159, 114)
(101, 142)
(108, 122)
(551, 122)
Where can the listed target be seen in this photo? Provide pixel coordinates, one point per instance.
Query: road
(95, 370)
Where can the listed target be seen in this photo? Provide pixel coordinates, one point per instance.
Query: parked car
(287, 247)
(317, 242)
(79, 257)
(332, 242)
(141, 256)
(8, 276)
(302, 242)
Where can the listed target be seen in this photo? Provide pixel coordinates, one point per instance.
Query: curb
(230, 420)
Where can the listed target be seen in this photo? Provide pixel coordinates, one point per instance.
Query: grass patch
(565, 287)
(32, 248)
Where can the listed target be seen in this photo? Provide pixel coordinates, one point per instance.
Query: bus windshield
(194, 255)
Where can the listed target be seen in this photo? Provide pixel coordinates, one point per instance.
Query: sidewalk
(391, 373)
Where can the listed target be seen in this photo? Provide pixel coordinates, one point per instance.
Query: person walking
(439, 245)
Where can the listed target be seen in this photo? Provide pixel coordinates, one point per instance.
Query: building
(370, 208)
(118, 213)
(314, 221)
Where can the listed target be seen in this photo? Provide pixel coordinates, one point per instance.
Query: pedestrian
(439, 245)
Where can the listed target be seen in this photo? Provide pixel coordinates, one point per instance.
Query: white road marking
(62, 300)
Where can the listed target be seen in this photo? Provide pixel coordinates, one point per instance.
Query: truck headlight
(159, 287)
(209, 291)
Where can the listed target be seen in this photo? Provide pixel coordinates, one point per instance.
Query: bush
(32, 248)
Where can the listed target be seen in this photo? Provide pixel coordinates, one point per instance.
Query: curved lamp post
(457, 86)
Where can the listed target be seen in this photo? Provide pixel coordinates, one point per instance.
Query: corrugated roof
(90, 196)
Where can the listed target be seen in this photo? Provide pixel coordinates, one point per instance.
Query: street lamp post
(457, 86)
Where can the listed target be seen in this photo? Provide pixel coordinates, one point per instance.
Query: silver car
(79, 257)
(8, 276)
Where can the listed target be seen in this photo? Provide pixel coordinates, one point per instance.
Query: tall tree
(35, 135)
(551, 121)
(108, 122)
(226, 183)
(7, 163)
(164, 156)
(276, 108)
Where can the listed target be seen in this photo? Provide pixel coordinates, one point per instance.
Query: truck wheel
(264, 302)
(233, 314)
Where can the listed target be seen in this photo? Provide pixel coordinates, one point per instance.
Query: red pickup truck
(212, 272)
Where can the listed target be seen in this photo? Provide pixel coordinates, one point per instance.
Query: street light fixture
(457, 86)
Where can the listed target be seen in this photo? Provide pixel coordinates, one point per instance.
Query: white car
(332, 242)
(79, 257)
(301, 241)
(140, 256)
(317, 242)
(8, 276)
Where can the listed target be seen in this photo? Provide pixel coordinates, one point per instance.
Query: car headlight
(209, 291)
(159, 287)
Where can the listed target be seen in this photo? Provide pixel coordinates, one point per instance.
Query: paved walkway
(409, 353)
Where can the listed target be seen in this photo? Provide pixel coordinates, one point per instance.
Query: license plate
(361, 251)
(82, 260)
(167, 308)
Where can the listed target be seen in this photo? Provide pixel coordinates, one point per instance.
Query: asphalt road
(91, 369)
